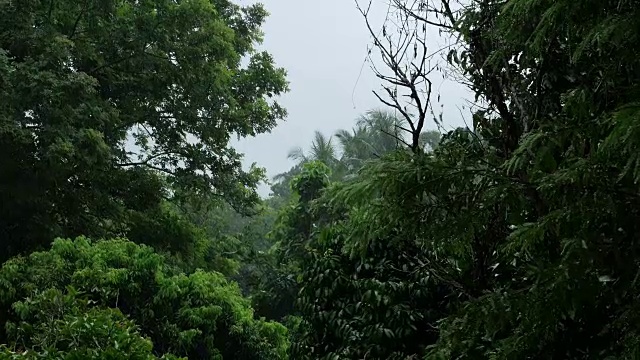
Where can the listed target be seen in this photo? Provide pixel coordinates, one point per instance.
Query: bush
(199, 315)
(57, 325)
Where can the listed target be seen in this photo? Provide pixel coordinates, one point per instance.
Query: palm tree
(385, 130)
(376, 133)
(280, 186)
(388, 132)
(322, 149)
(355, 147)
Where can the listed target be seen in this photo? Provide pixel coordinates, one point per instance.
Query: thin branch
(396, 106)
(448, 12)
(77, 22)
(396, 137)
(423, 19)
(149, 159)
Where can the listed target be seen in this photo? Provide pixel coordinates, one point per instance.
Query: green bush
(199, 315)
(57, 325)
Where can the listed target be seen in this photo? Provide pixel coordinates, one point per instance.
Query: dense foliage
(513, 238)
(100, 98)
(199, 316)
(62, 326)
(115, 122)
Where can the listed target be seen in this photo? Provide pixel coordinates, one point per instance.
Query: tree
(376, 133)
(57, 325)
(198, 315)
(322, 149)
(555, 129)
(354, 145)
(522, 216)
(365, 293)
(384, 129)
(102, 98)
(406, 77)
(518, 236)
(290, 235)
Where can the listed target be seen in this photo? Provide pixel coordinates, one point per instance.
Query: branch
(415, 16)
(396, 106)
(396, 137)
(153, 167)
(75, 25)
(149, 159)
(410, 76)
(448, 12)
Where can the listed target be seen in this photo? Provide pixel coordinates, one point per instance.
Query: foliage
(200, 315)
(101, 97)
(57, 325)
(356, 302)
(277, 283)
(529, 218)
(305, 264)
(512, 240)
(322, 149)
(376, 133)
(560, 238)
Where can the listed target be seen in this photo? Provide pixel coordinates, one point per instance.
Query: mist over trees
(129, 229)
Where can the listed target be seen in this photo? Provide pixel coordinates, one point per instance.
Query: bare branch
(396, 106)
(408, 75)
(413, 14)
(396, 137)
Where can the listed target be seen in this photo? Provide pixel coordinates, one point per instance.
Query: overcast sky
(323, 45)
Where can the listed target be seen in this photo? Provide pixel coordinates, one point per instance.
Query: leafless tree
(407, 59)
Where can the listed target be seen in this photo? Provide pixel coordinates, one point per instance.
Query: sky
(323, 46)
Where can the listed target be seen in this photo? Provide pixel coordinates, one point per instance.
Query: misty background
(323, 46)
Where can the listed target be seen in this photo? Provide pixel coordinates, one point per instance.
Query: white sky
(322, 44)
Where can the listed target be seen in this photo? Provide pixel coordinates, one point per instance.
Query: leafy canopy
(516, 239)
(199, 315)
(101, 98)
(55, 325)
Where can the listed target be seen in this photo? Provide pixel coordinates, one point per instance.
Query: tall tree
(322, 149)
(530, 217)
(376, 133)
(100, 98)
(384, 129)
